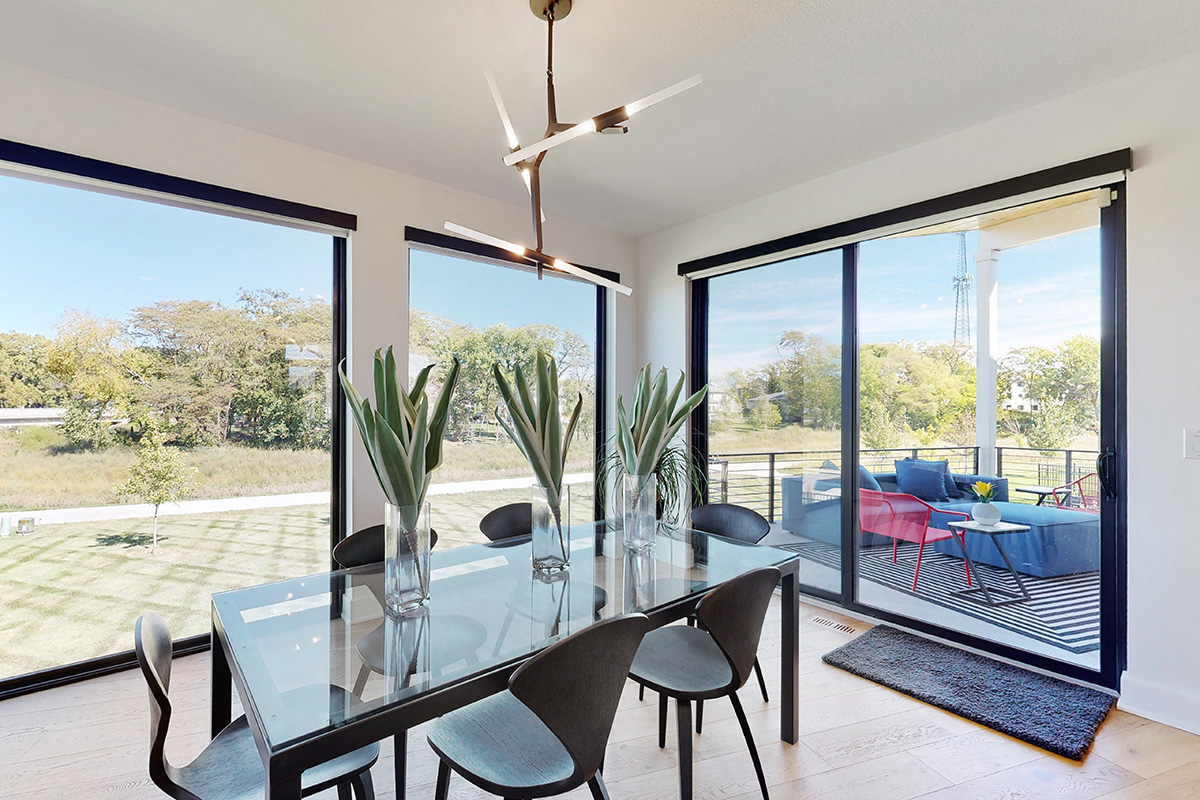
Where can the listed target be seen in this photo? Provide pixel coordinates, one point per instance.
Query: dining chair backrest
(1082, 494)
(366, 547)
(898, 516)
(733, 614)
(574, 686)
(731, 521)
(152, 645)
(505, 522)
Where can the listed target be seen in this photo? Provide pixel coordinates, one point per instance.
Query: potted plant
(537, 430)
(983, 511)
(403, 437)
(643, 439)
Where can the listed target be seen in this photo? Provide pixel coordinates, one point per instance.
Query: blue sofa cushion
(1059, 541)
(923, 479)
(866, 480)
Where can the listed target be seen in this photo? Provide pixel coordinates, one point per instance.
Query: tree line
(917, 392)
(473, 412)
(200, 372)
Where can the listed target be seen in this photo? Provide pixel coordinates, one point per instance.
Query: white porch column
(987, 262)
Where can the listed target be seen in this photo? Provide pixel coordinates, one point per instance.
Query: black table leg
(961, 538)
(283, 787)
(220, 684)
(1011, 569)
(400, 759)
(789, 689)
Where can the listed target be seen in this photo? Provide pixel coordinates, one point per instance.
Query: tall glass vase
(639, 494)
(551, 529)
(406, 558)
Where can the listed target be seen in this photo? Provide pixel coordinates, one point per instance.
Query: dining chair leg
(343, 790)
(364, 787)
(599, 790)
(442, 790)
(360, 682)
(741, 716)
(400, 762)
(641, 692)
(684, 708)
(503, 633)
(762, 683)
(662, 721)
(699, 715)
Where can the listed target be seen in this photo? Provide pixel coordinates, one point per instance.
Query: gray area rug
(1055, 715)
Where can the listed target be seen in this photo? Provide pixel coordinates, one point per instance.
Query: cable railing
(755, 479)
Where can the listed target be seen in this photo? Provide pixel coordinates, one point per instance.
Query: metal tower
(962, 295)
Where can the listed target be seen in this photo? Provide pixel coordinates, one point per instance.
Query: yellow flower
(983, 490)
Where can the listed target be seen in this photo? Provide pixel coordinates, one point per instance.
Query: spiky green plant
(653, 420)
(403, 436)
(537, 425)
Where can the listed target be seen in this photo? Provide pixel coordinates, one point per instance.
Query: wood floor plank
(859, 741)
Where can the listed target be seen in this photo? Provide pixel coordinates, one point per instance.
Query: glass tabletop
(487, 608)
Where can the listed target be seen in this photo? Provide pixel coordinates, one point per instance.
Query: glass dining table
(488, 612)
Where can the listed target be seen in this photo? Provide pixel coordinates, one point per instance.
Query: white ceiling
(792, 90)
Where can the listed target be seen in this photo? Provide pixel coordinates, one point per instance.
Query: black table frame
(284, 768)
(1043, 492)
(1005, 597)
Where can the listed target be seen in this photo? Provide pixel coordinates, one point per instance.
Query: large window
(979, 336)
(487, 313)
(165, 415)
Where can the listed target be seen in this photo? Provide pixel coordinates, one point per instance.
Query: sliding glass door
(981, 353)
(774, 403)
(979, 368)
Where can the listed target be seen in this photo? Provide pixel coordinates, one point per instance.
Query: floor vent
(837, 626)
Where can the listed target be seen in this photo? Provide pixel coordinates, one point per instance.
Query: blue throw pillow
(952, 489)
(922, 479)
(866, 480)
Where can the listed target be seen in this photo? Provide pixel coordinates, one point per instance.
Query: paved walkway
(145, 511)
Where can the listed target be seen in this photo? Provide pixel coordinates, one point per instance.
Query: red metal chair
(1081, 495)
(904, 517)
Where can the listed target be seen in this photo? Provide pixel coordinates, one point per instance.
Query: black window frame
(80, 172)
(435, 241)
(1113, 535)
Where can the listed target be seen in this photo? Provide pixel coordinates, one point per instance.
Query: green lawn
(73, 591)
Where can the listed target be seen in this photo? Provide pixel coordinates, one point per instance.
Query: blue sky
(481, 294)
(63, 248)
(1048, 292)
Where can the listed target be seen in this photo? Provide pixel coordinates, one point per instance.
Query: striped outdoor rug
(1064, 611)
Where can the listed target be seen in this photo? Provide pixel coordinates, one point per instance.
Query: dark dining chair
(230, 766)
(706, 662)
(506, 522)
(547, 732)
(744, 525)
(366, 547)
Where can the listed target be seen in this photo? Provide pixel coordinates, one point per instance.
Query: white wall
(63, 115)
(1155, 112)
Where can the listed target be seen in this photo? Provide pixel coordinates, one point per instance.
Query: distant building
(1018, 400)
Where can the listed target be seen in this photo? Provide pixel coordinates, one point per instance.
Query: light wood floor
(858, 741)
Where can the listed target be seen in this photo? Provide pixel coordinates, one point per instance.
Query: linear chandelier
(528, 160)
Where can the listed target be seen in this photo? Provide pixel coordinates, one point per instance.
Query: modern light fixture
(528, 160)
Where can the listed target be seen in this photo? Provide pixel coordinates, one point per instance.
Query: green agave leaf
(523, 394)
(688, 407)
(570, 434)
(654, 408)
(418, 388)
(395, 464)
(626, 447)
(439, 418)
(416, 454)
(653, 443)
(546, 408)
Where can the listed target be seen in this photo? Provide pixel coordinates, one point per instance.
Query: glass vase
(639, 495)
(406, 558)
(551, 529)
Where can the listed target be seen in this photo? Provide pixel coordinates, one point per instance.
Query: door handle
(1104, 471)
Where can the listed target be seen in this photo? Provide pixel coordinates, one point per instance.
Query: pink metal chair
(904, 517)
(1080, 495)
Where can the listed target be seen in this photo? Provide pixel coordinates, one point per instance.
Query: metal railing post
(771, 488)
(975, 468)
(999, 462)
(725, 481)
(1070, 473)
